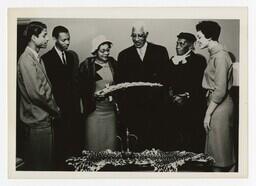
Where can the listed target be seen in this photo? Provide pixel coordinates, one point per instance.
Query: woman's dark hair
(57, 30)
(33, 28)
(107, 42)
(210, 29)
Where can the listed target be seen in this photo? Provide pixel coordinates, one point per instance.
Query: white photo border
(135, 13)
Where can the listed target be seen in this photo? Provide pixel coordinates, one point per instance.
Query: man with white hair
(141, 109)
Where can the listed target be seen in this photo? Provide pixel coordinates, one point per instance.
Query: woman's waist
(209, 95)
(104, 106)
(209, 92)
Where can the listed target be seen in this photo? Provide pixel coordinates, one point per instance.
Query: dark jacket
(153, 68)
(142, 108)
(87, 81)
(188, 78)
(62, 79)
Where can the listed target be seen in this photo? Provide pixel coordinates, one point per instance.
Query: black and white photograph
(128, 95)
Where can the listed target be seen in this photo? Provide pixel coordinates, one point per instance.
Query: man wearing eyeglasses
(141, 109)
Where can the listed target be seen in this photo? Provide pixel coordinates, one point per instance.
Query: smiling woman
(96, 73)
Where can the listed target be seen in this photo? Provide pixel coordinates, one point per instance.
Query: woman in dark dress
(96, 73)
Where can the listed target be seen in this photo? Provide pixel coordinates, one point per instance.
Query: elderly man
(141, 109)
(187, 72)
(37, 104)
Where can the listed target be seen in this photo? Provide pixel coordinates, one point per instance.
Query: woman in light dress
(218, 121)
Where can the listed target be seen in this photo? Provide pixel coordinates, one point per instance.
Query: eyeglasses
(140, 36)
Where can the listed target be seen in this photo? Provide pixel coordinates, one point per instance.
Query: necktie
(63, 58)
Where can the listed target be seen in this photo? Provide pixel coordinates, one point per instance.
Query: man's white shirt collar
(141, 51)
(60, 53)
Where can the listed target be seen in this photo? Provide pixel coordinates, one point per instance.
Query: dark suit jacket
(141, 108)
(62, 78)
(151, 69)
(188, 78)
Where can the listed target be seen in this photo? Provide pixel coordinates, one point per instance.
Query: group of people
(192, 111)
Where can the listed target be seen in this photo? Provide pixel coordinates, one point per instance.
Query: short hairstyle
(57, 30)
(33, 28)
(210, 29)
(188, 36)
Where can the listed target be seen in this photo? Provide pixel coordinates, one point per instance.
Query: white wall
(161, 31)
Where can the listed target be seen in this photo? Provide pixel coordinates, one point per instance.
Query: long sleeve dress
(100, 122)
(218, 81)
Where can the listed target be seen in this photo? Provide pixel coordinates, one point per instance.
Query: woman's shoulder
(111, 59)
(223, 58)
(84, 65)
(87, 61)
(222, 54)
(219, 51)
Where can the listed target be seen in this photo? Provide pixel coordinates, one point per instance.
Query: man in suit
(187, 69)
(141, 109)
(60, 65)
(37, 103)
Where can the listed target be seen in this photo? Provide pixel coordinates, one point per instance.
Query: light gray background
(161, 31)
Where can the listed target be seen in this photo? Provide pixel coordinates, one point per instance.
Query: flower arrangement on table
(159, 160)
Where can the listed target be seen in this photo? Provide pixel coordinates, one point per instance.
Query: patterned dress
(100, 126)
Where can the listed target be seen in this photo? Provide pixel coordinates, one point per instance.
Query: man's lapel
(136, 55)
(38, 64)
(147, 52)
(56, 57)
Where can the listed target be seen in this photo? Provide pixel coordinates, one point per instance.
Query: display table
(148, 160)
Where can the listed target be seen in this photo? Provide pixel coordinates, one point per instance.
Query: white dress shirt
(60, 54)
(141, 51)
